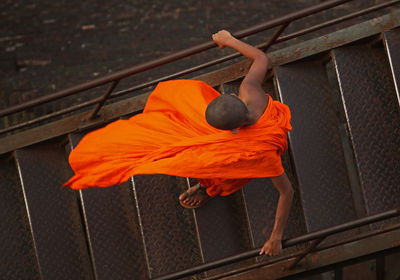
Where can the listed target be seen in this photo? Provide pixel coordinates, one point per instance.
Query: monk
(188, 129)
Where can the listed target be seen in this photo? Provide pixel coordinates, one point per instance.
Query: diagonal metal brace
(103, 99)
(274, 36)
(306, 251)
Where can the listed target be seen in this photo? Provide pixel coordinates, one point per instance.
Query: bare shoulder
(255, 99)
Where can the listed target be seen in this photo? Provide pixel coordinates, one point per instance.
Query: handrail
(262, 46)
(101, 101)
(108, 94)
(170, 58)
(286, 243)
(285, 257)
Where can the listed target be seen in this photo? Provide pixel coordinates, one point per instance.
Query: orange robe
(172, 137)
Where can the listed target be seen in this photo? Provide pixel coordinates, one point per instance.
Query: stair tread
(372, 112)
(223, 231)
(316, 144)
(169, 229)
(113, 228)
(15, 228)
(54, 212)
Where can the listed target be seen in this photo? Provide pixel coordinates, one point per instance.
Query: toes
(183, 196)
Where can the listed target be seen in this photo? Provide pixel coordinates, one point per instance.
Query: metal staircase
(343, 161)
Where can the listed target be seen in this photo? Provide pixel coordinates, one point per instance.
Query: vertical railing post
(313, 244)
(275, 36)
(103, 99)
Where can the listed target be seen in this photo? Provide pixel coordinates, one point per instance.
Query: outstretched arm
(273, 246)
(258, 69)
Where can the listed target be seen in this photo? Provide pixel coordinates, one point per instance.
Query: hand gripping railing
(117, 76)
(316, 237)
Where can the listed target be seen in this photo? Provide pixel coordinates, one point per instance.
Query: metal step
(53, 212)
(372, 112)
(223, 229)
(113, 230)
(18, 257)
(316, 145)
(392, 43)
(169, 230)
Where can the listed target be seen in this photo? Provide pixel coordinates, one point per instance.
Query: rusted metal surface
(335, 21)
(310, 248)
(275, 36)
(385, 241)
(113, 230)
(323, 246)
(338, 38)
(392, 43)
(50, 116)
(316, 145)
(103, 99)
(169, 229)
(53, 213)
(373, 117)
(287, 243)
(18, 258)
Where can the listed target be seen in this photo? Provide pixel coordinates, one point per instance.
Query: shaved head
(226, 112)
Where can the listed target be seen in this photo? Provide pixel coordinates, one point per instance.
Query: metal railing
(115, 78)
(316, 237)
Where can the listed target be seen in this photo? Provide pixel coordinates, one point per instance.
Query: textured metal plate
(17, 253)
(372, 111)
(113, 230)
(392, 42)
(316, 145)
(54, 215)
(223, 228)
(169, 229)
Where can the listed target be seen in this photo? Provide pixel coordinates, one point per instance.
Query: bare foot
(194, 197)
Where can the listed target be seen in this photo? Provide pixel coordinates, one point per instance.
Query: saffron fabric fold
(172, 137)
